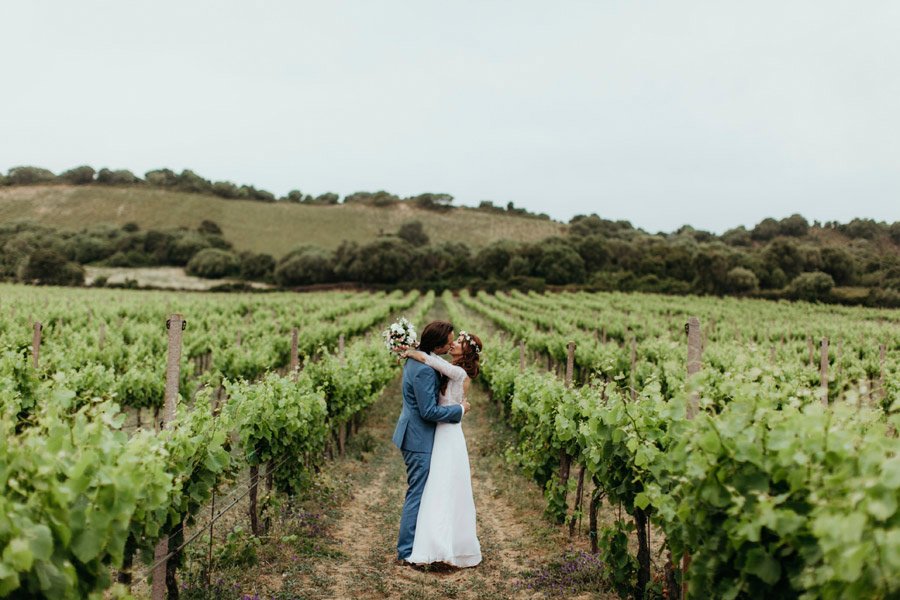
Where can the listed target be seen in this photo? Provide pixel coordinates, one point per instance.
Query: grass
(274, 228)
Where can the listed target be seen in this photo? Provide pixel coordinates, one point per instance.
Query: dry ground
(170, 278)
(350, 521)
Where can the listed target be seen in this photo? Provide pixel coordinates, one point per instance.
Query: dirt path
(340, 541)
(513, 535)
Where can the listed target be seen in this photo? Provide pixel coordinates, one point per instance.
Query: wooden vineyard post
(164, 577)
(342, 428)
(36, 344)
(579, 499)
(295, 359)
(102, 339)
(342, 437)
(823, 371)
(603, 336)
(772, 355)
(521, 357)
(254, 489)
(565, 461)
(693, 367)
(881, 388)
(570, 370)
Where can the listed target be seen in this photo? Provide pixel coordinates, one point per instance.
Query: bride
(445, 527)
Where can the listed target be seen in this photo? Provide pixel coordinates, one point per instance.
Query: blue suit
(414, 435)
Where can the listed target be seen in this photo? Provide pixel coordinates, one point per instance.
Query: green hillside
(273, 228)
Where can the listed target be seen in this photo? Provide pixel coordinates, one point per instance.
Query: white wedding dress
(445, 527)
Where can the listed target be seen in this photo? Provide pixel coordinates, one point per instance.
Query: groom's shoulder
(415, 368)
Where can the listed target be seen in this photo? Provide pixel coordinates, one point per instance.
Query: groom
(414, 434)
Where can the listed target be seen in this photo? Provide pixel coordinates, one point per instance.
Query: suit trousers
(417, 467)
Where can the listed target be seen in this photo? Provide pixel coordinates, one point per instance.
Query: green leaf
(762, 565)
(641, 500)
(41, 542)
(87, 544)
(890, 473)
(882, 503)
(18, 554)
(709, 442)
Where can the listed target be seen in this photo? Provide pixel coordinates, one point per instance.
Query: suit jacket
(421, 412)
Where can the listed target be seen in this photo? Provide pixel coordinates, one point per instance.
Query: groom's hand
(466, 407)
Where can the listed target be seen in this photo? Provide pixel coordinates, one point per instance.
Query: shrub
(161, 178)
(190, 182)
(894, 231)
(326, 198)
(305, 266)
(560, 264)
(88, 248)
(248, 192)
(294, 196)
(593, 252)
(185, 246)
(765, 230)
(128, 258)
(493, 260)
(741, 280)
(412, 232)
(225, 189)
(379, 198)
(256, 267)
(78, 176)
(840, 264)
(209, 227)
(739, 236)
(886, 298)
(49, 267)
(592, 224)
(383, 261)
(862, 228)
(118, 177)
(213, 263)
(30, 176)
(793, 226)
(433, 201)
(811, 286)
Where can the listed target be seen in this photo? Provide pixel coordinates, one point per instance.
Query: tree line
(190, 182)
(854, 263)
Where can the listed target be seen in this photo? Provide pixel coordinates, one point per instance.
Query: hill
(269, 227)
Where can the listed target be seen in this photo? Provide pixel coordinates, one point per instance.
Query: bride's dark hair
(468, 360)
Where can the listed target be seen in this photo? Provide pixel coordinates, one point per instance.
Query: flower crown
(469, 340)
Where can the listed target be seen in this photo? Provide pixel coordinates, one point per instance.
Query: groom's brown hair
(435, 335)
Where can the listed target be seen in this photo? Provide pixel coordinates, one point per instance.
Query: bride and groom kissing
(437, 525)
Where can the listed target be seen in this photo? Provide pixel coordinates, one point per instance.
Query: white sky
(712, 113)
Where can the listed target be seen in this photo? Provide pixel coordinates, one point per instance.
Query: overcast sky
(711, 113)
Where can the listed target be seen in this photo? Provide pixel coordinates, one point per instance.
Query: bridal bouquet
(400, 336)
